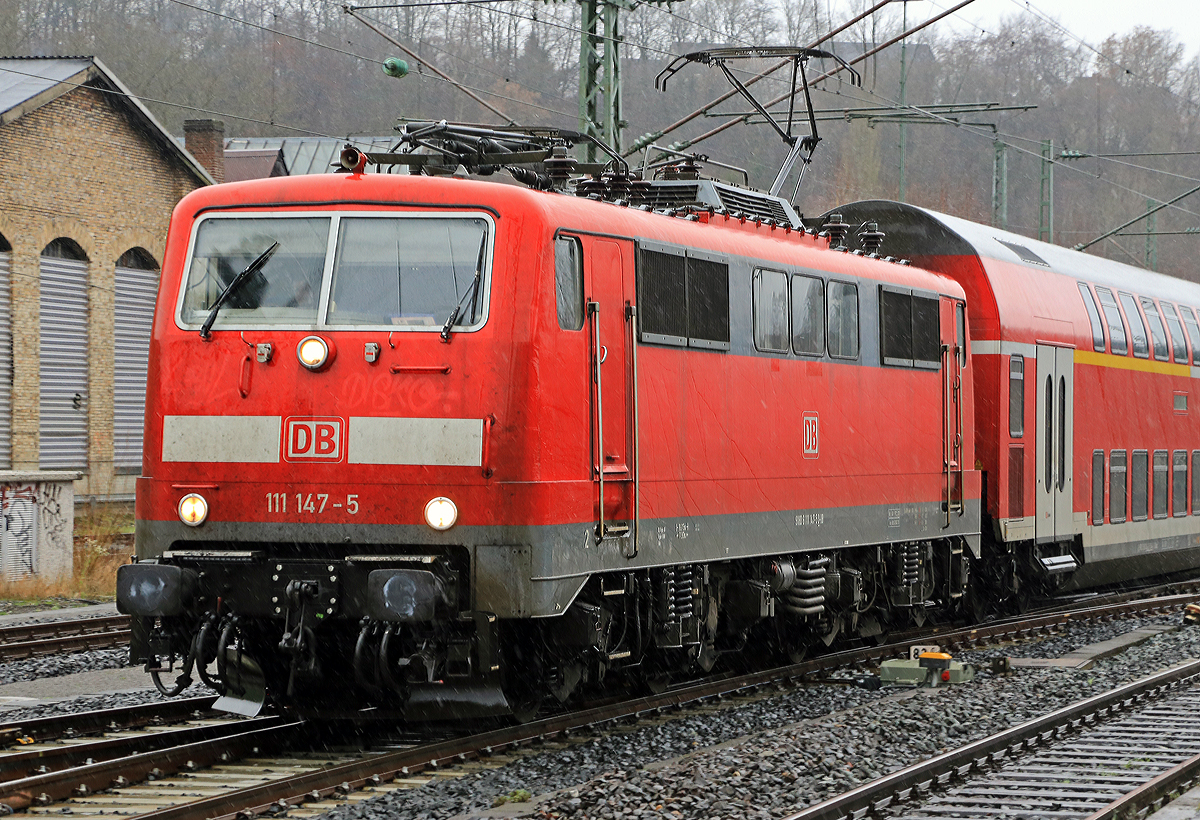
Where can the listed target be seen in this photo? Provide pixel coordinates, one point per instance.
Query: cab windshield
(413, 272)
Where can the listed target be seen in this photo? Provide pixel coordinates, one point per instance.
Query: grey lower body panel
(523, 572)
(1115, 553)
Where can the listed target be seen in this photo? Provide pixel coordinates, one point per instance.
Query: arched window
(63, 248)
(63, 362)
(6, 370)
(136, 287)
(137, 259)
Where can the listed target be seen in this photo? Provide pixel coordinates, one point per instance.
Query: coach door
(1055, 430)
(609, 324)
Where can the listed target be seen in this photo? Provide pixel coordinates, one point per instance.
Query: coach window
(808, 315)
(1016, 396)
(1161, 478)
(1116, 328)
(843, 320)
(1137, 330)
(1178, 343)
(770, 311)
(1193, 329)
(1157, 334)
(1139, 496)
(1116, 487)
(1097, 488)
(568, 282)
(1179, 483)
(1093, 317)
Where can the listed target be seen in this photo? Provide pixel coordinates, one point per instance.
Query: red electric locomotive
(456, 447)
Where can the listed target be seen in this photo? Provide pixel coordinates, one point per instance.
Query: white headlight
(313, 352)
(193, 509)
(440, 513)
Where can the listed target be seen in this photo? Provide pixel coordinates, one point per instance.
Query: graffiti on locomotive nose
(313, 439)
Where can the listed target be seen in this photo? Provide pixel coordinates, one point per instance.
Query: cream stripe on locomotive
(371, 440)
(223, 439)
(434, 442)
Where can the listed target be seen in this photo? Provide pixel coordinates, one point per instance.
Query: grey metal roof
(27, 83)
(310, 155)
(24, 79)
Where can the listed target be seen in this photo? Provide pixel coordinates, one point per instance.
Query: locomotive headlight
(313, 352)
(440, 513)
(193, 509)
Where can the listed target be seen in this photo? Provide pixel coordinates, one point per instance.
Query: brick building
(88, 179)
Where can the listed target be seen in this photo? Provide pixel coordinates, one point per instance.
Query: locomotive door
(954, 359)
(1055, 430)
(609, 323)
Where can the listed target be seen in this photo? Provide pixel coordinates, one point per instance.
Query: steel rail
(345, 778)
(35, 730)
(53, 637)
(54, 629)
(44, 789)
(1152, 794)
(61, 758)
(921, 777)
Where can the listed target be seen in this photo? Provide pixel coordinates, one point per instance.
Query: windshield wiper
(472, 291)
(238, 281)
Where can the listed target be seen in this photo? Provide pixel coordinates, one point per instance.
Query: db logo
(313, 439)
(811, 436)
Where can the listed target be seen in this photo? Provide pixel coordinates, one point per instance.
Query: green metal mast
(600, 113)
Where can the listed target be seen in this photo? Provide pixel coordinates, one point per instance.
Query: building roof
(250, 163)
(307, 155)
(28, 83)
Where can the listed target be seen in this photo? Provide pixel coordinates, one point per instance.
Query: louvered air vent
(662, 195)
(753, 204)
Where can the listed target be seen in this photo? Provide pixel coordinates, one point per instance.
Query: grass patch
(103, 541)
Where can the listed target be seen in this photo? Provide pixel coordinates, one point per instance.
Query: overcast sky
(1089, 20)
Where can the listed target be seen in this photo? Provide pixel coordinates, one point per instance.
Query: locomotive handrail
(593, 309)
(488, 422)
(631, 318)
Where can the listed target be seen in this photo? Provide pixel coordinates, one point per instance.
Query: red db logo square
(312, 439)
(812, 442)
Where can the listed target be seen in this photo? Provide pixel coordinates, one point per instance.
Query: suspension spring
(669, 592)
(683, 592)
(912, 563)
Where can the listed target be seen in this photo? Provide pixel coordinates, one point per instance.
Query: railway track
(57, 637)
(1095, 759)
(64, 636)
(237, 769)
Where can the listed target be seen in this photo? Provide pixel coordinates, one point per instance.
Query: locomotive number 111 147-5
(315, 503)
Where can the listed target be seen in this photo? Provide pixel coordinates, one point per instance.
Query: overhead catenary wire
(470, 93)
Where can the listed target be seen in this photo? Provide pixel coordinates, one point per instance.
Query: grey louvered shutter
(63, 366)
(136, 290)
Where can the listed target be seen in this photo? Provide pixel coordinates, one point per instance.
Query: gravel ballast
(766, 758)
(53, 666)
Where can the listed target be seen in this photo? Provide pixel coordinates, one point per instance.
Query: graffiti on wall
(18, 542)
